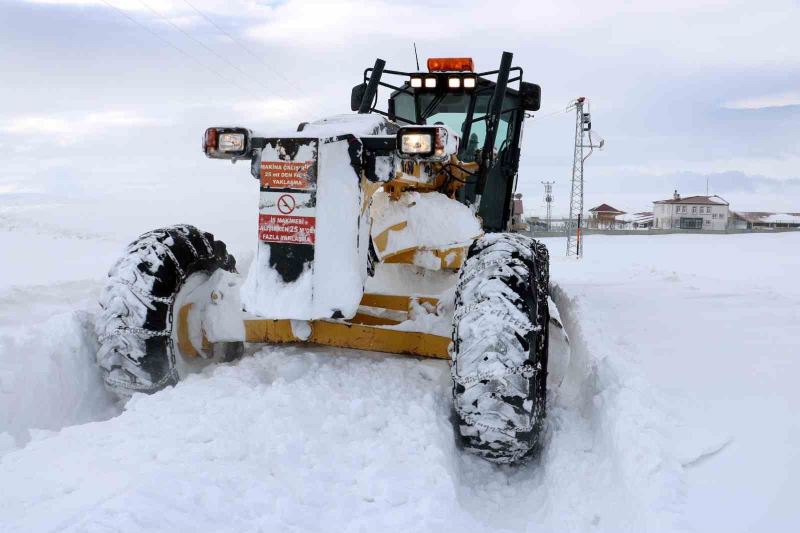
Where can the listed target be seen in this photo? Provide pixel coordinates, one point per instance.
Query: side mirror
(530, 95)
(356, 95)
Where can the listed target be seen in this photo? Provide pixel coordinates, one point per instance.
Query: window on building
(708, 209)
(691, 223)
(694, 209)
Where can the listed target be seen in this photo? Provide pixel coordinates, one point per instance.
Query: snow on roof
(769, 218)
(605, 208)
(641, 217)
(786, 218)
(696, 200)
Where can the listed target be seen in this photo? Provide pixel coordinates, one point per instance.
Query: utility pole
(583, 140)
(548, 200)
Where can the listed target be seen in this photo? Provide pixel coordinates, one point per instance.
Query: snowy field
(679, 411)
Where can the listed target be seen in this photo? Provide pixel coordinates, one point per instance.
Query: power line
(174, 47)
(244, 47)
(214, 52)
(553, 113)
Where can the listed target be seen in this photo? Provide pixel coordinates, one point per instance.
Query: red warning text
(286, 229)
(287, 174)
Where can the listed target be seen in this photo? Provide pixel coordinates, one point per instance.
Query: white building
(694, 212)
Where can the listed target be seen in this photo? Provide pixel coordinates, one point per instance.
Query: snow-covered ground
(678, 411)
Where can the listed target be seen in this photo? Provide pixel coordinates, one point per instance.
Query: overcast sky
(108, 95)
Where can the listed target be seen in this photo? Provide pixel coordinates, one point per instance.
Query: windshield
(452, 110)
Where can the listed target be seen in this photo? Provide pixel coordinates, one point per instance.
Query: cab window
(452, 110)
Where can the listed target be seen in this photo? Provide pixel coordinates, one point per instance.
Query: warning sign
(288, 174)
(286, 229)
(286, 204)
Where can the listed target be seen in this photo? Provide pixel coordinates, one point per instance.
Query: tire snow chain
(141, 295)
(188, 242)
(130, 386)
(518, 324)
(140, 332)
(469, 276)
(185, 237)
(527, 371)
(469, 418)
(175, 261)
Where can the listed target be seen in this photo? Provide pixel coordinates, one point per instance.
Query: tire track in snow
(630, 425)
(570, 485)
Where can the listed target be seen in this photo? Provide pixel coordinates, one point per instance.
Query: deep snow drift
(678, 411)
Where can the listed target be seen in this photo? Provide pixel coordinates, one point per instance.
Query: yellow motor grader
(383, 230)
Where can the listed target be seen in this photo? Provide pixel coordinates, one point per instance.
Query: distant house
(518, 214)
(603, 217)
(643, 220)
(693, 212)
(764, 220)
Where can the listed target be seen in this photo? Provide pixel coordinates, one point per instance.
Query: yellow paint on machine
(362, 332)
(356, 336)
(381, 240)
(367, 319)
(449, 258)
(184, 341)
(395, 302)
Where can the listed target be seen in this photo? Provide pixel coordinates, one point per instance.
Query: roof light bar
(451, 64)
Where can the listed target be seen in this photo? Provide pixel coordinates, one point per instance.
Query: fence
(589, 231)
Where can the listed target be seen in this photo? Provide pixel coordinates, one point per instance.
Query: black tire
(134, 326)
(500, 346)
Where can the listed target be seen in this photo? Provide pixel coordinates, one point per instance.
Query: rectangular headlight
(469, 83)
(416, 143)
(231, 142)
(430, 83)
(454, 83)
(227, 143)
(416, 83)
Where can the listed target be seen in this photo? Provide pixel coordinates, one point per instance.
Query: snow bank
(278, 442)
(49, 377)
(626, 416)
(695, 341)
